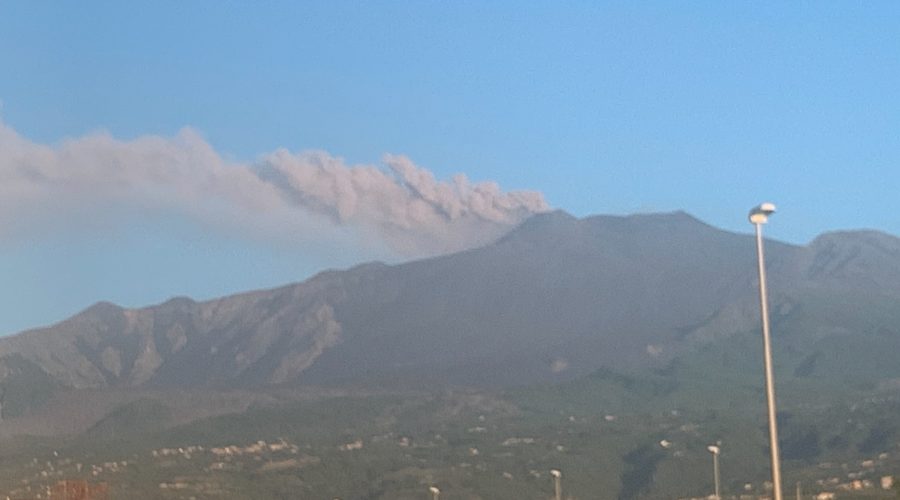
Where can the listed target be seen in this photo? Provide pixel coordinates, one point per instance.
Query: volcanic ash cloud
(300, 196)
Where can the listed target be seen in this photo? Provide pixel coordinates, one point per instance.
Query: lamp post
(435, 492)
(715, 453)
(557, 482)
(759, 216)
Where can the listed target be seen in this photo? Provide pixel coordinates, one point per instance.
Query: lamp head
(713, 449)
(434, 489)
(555, 473)
(760, 214)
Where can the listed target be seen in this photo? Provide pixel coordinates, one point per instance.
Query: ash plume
(298, 196)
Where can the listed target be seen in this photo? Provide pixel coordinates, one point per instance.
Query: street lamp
(759, 216)
(557, 482)
(435, 493)
(715, 453)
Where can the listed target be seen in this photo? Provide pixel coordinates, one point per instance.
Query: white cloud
(295, 196)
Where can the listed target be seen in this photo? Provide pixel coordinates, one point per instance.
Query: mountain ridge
(554, 299)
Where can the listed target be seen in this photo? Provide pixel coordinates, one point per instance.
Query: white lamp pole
(715, 453)
(557, 482)
(758, 217)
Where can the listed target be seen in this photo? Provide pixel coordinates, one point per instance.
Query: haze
(613, 108)
(454, 250)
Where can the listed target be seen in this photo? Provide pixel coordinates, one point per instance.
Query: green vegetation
(473, 444)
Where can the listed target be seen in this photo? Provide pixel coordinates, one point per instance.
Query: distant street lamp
(715, 453)
(557, 482)
(435, 493)
(759, 216)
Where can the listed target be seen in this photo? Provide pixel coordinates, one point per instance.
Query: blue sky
(602, 107)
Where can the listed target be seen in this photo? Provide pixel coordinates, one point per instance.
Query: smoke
(298, 196)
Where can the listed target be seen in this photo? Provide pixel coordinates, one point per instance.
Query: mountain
(556, 299)
(613, 348)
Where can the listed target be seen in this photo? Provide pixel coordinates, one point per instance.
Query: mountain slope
(555, 299)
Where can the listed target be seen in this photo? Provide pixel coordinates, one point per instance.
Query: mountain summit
(556, 298)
